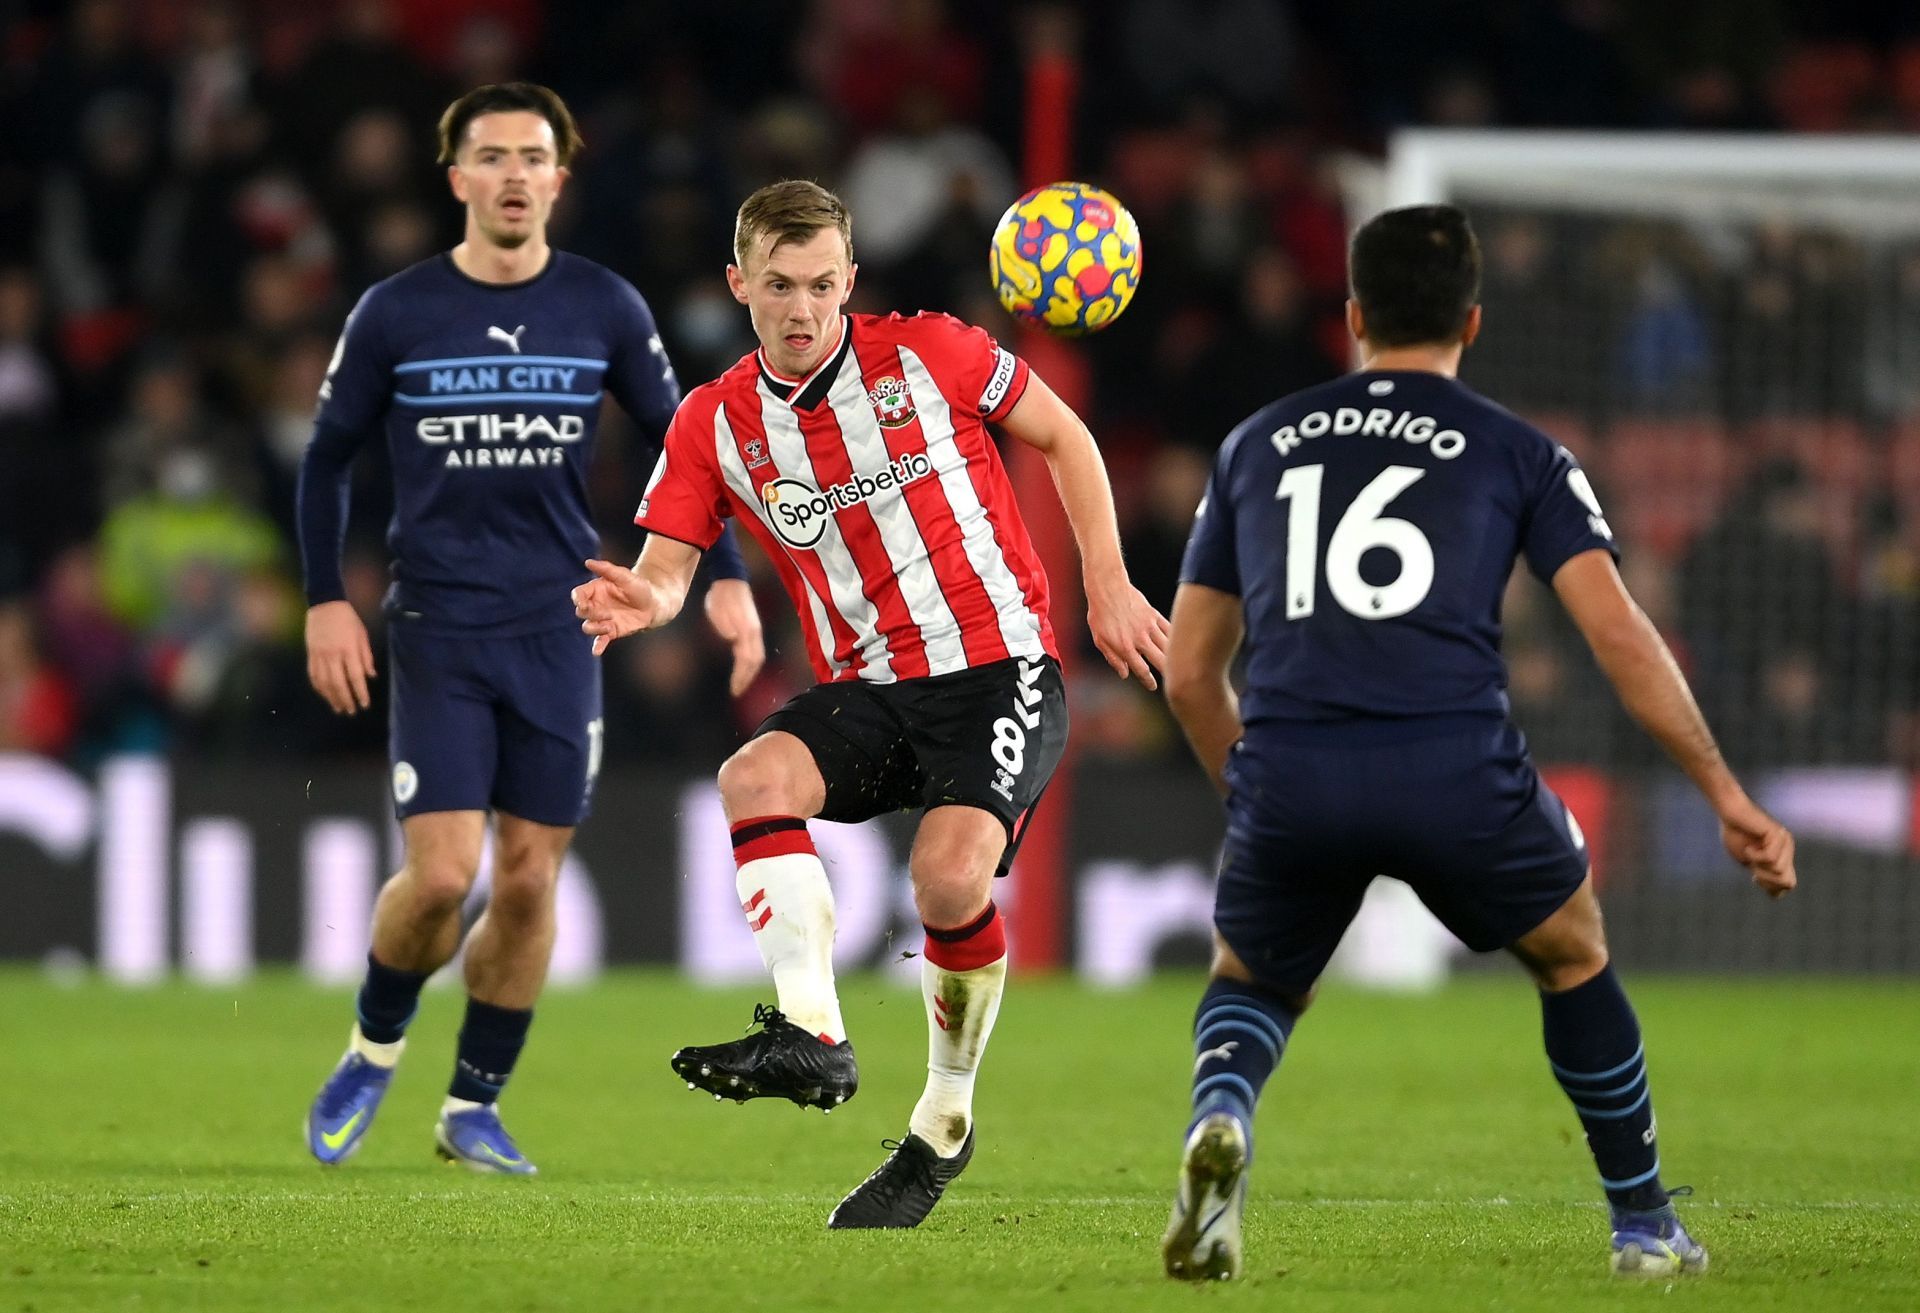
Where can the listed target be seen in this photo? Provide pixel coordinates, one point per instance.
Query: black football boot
(778, 1061)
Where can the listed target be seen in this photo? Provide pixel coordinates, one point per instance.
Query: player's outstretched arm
(1130, 634)
(618, 601)
(1207, 628)
(1642, 670)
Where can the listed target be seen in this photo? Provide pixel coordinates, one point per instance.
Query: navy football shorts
(477, 722)
(1460, 814)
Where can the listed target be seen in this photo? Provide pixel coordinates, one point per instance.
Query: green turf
(1414, 1155)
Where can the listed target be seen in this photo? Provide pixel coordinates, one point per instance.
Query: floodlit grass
(1414, 1154)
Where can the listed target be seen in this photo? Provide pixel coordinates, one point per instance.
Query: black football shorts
(987, 737)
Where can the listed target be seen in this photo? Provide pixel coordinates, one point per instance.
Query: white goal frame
(1717, 175)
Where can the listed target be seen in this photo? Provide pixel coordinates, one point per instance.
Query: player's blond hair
(790, 211)
(506, 98)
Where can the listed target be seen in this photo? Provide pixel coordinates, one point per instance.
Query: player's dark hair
(1416, 274)
(507, 98)
(791, 211)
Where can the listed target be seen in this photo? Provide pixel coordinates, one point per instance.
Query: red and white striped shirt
(877, 493)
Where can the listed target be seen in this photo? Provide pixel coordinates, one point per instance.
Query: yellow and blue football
(1066, 258)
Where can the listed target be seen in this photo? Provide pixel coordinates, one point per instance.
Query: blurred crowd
(196, 191)
(1746, 401)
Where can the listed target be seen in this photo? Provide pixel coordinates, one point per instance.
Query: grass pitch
(1414, 1154)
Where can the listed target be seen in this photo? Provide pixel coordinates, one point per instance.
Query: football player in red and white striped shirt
(855, 449)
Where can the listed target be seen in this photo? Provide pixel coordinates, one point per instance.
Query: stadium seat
(1833, 451)
(1836, 456)
(1903, 463)
(1668, 479)
(1817, 87)
(1152, 167)
(1905, 66)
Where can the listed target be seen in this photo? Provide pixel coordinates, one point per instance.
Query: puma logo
(1224, 1053)
(502, 335)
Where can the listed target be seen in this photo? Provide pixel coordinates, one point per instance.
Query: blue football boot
(1654, 1245)
(344, 1108)
(475, 1139)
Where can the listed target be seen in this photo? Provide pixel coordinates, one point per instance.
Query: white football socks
(380, 1055)
(961, 1007)
(789, 907)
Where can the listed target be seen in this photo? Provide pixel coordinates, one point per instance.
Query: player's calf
(1240, 1031)
(788, 905)
(963, 977)
(1594, 1047)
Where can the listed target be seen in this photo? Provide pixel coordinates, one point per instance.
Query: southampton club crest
(892, 402)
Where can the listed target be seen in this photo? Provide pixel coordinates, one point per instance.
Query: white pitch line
(996, 1203)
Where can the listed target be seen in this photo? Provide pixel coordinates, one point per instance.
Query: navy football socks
(1239, 1032)
(388, 999)
(490, 1043)
(1594, 1047)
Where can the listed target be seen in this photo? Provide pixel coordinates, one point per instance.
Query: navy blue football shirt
(1369, 526)
(489, 395)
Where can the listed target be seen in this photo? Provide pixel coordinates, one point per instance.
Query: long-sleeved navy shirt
(490, 396)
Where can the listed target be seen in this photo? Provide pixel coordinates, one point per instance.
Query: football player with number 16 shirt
(855, 449)
(1357, 537)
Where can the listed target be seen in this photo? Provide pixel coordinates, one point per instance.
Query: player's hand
(731, 612)
(339, 657)
(1130, 634)
(1761, 844)
(616, 603)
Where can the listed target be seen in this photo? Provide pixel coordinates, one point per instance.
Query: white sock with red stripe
(962, 977)
(789, 906)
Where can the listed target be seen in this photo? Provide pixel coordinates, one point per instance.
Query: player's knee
(1569, 948)
(523, 889)
(949, 903)
(755, 782)
(440, 884)
(952, 882)
(1571, 971)
(1565, 960)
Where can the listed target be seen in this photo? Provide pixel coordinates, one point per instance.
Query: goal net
(1726, 331)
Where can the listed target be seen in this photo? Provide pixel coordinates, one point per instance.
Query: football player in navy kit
(1357, 538)
(485, 367)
